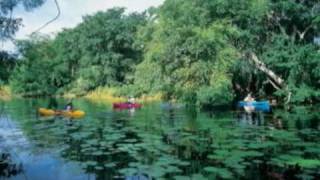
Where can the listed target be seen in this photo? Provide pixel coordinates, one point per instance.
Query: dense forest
(205, 52)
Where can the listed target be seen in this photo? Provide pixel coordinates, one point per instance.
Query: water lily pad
(221, 172)
(181, 177)
(98, 168)
(91, 163)
(110, 165)
(198, 177)
(128, 171)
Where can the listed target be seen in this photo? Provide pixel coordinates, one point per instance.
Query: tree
(192, 50)
(9, 25)
(108, 50)
(290, 27)
(204, 52)
(101, 51)
(7, 63)
(35, 75)
(297, 63)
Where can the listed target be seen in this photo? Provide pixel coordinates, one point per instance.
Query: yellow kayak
(50, 112)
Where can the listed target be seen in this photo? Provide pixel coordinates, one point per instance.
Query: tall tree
(7, 63)
(193, 52)
(101, 51)
(264, 25)
(9, 24)
(107, 47)
(35, 74)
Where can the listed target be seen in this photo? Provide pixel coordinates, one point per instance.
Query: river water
(158, 141)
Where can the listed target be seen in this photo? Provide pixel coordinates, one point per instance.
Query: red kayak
(126, 105)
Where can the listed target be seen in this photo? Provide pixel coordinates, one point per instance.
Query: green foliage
(282, 36)
(98, 52)
(108, 53)
(148, 78)
(7, 64)
(297, 64)
(218, 94)
(34, 74)
(188, 50)
(10, 24)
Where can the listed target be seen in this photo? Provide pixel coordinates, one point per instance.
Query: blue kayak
(258, 105)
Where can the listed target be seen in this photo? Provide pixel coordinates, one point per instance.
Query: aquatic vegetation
(178, 144)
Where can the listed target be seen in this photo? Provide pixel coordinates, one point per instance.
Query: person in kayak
(249, 108)
(249, 98)
(69, 106)
(131, 100)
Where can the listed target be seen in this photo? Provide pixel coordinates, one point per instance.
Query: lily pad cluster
(177, 144)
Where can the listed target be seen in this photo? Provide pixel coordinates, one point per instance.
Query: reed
(150, 98)
(5, 93)
(109, 95)
(105, 94)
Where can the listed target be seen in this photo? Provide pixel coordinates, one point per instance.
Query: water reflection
(252, 118)
(137, 177)
(9, 168)
(169, 143)
(23, 157)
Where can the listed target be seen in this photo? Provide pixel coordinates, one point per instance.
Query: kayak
(257, 105)
(50, 112)
(126, 105)
(73, 114)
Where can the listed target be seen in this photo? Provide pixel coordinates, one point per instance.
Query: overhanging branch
(262, 67)
(276, 81)
(55, 18)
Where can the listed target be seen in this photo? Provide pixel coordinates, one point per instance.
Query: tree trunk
(276, 81)
(262, 67)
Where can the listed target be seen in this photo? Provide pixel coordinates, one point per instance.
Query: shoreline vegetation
(101, 94)
(5, 93)
(110, 95)
(205, 53)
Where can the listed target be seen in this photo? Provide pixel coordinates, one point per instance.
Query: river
(158, 141)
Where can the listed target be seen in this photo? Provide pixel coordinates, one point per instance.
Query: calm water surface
(157, 142)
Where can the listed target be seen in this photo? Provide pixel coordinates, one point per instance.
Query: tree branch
(262, 67)
(55, 18)
(289, 97)
(9, 22)
(302, 34)
(276, 81)
(273, 84)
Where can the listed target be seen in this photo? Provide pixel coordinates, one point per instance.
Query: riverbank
(5, 93)
(100, 94)
(110, 95)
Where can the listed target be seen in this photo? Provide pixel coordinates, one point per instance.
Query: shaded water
(157, 142)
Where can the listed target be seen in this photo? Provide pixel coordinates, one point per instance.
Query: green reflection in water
(164, 143)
